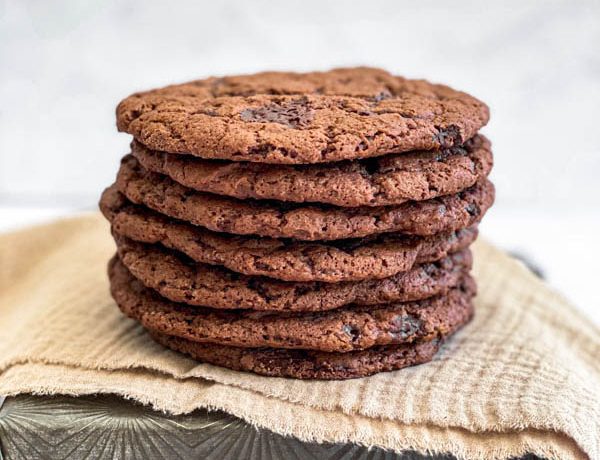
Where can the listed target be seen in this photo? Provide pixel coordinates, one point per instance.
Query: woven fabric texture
(523, 377)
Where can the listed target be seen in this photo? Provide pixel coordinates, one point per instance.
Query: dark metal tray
(108, 427)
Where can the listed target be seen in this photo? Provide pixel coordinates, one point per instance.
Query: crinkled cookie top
(297, 118)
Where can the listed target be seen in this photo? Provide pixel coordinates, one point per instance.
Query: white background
(64, 65)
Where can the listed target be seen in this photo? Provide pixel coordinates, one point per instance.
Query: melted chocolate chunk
(295, 114)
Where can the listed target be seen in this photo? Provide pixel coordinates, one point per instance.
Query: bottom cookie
(305, 364)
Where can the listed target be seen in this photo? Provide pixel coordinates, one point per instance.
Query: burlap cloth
(524, 376)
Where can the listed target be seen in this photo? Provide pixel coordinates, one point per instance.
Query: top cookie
(297, 118)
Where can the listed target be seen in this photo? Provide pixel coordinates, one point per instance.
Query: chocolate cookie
(180, 280)
(285, 220)
(391, 179)
(350, 328)
(373, 257)
(305, 364)
(294, 118)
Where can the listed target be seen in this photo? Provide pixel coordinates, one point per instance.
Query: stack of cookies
(307, 225)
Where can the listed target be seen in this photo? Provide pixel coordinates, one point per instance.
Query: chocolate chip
(382, 96)
(295, 113)
(449, 136)
(472, 209)
(449, 152)
(352, 331)
(404, 326)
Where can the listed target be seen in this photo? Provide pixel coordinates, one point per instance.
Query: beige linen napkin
(524, 376)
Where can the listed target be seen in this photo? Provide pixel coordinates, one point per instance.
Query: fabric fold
(524, 376)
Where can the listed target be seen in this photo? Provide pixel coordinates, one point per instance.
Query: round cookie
(196, 284)
(305, 364)
(374, 257)
(296, 118)
(391, 179)
(301, 222)
(351, 328)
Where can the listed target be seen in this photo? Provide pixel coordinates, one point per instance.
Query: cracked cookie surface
(177, 278)
(350, 328)
(373, 257)
(298, 118)
(302, 222)
(390, 179)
